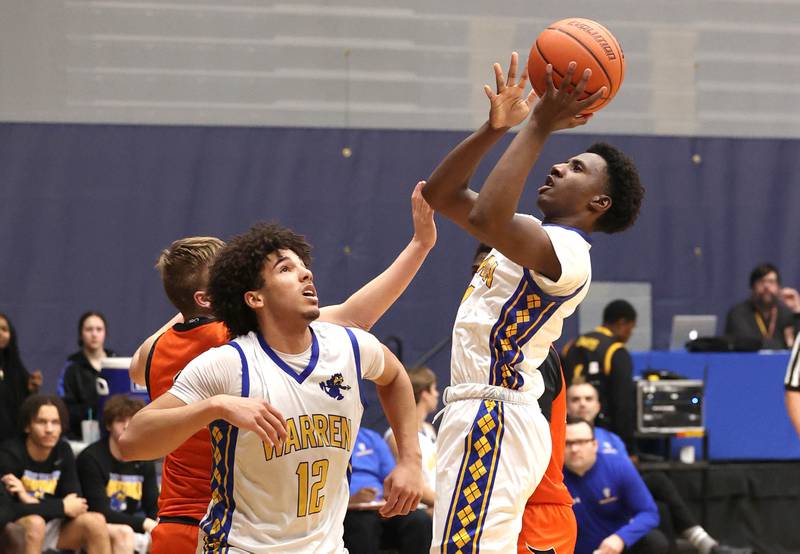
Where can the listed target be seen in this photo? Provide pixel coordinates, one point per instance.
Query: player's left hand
(612, 544)
(509, 106)
(561, 108)
(402, 490)
(422, 216)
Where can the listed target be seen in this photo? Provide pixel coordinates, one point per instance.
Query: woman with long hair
(79, 381)
(15, 381)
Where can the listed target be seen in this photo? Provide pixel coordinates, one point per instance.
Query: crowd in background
(102, 504)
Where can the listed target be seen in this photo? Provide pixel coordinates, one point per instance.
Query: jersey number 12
(309, 499)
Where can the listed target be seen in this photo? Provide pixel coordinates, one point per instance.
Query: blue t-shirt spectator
(372, 462)
(609, 443)
(610, 499)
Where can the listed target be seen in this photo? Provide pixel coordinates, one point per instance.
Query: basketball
(585, 42)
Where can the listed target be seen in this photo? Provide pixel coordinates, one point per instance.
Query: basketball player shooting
(284, 406)
(494, 442)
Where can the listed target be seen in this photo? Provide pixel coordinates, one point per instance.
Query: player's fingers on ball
(591, 99)
(578, 91)
(548, 79)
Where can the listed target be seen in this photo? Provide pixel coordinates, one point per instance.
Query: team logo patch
(334, 386)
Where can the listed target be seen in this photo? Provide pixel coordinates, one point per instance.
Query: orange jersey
(551, 489)
(186, 478)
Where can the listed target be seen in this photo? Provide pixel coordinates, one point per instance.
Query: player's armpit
(521, 239)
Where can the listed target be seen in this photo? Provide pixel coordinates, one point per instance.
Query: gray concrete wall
(694, 67)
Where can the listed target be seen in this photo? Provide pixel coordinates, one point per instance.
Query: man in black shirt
(126, 493)
(763, 317)
(600, 358)
(39, 470)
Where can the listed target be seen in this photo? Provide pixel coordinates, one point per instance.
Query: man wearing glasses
(614, 509)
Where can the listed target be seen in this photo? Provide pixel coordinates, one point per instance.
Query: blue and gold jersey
(290, 498)
(510, 315)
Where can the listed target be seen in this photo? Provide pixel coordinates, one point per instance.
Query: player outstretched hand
(256, 415)
(509, 105)
(561, 108)
(402, 490)
(422, 216)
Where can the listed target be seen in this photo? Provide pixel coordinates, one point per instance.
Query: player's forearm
(153, 433)
(499, 197)
(793, 408)
(449, 180)
(367, 305)
(397, 399)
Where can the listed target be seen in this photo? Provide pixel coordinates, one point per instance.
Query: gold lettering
(588, 343)
(486, 270)
(307, 432)
(336, 431)
(346, 434)
(292, 439)
(321, 429)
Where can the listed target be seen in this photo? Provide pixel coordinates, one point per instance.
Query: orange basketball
(585, 42)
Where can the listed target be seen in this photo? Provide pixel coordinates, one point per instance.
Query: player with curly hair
(281, 442)
(494, 441)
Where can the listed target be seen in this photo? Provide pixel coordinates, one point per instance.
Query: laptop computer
(690, 327)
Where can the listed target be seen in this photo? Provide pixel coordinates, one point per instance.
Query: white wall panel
(694, 67)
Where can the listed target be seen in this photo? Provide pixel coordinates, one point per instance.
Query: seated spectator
(39, 471)
(600, 358)
(763, 317)
(613, 508)
(15, 381)
(676, 517)
(791, 298)
(126, 493)
(364, 530)
(81, 378)
(426, 395)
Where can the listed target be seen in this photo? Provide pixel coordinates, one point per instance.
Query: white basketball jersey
(293, 498)
(510, 315)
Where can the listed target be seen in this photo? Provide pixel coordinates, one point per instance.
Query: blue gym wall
(85, 209)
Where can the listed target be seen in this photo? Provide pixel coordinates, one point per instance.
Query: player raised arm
(491, 215)
(402, 489)
(366, 306)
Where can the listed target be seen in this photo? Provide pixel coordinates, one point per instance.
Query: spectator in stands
(762, 317)
(791, 298)
(675, 515)
(364, 530)
(15, 381)
(600, 358)
(39, 471)
(426, 396)
(81, 383)
(614, 509)
(126, 493)
(792, 385)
